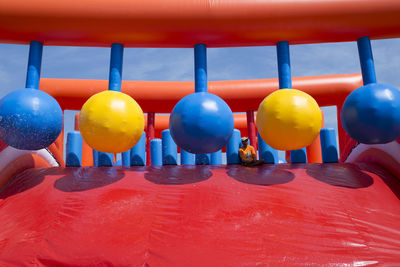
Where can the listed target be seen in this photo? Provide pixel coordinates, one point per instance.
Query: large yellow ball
(111, 122)
(289, 119)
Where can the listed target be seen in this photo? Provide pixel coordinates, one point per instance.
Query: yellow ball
(111, 122)
(289, 119)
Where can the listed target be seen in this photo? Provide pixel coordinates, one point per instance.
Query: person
(248, 155)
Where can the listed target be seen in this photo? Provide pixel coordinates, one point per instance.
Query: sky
(170, 64)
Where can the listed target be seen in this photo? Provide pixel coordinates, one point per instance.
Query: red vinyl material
(272, 215)
(183, 23)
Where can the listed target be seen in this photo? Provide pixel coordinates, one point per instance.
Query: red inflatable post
(251, 129)
(149, 134)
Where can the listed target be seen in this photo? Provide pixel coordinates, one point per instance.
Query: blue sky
(166, 64)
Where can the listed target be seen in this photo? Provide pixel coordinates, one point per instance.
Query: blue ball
(30, 119)
(371, 114)
(201, 123)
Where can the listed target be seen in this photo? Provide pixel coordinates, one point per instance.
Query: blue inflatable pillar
(285, 82)
(105, 159)
(34, 65)
(216, 158)
(366, 60)
(232, 148)
(200, 68)
(169, 149)
(267, 153)
(74, 149)
(126, 159)
(138, 152)
(155, 152)
(95, 158)
(298, 156)
(329, 145)
(115, 75)
(203, 159)
(114, 84)
(284, 73)
(187, 158)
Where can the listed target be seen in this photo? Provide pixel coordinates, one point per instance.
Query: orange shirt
(248, 154)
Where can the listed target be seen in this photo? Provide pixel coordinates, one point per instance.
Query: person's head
(245, 141)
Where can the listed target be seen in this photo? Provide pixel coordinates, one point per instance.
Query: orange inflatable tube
(177, 23)
(241, 95)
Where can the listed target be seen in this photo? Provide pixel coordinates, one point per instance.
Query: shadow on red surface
(261, 175)
(340, 174)
(178, 175)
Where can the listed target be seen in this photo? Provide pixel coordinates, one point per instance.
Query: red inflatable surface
(273, 215)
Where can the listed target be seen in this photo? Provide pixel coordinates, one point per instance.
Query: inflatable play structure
(179, 196)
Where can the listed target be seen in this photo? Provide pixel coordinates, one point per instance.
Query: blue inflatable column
(200, 68)
(155, 152)
(285, 82)
(284, 72)
(267, 153)
(329, 145)
(115, 75)
(232, 148)
(187, 158)
(366, 60)
(216, 158)
(74, 149)
(105, 159)
(114, 84)
(203, 159)
(298, 156)
(126, 158)
(169, 149)
(138, 152)
(95, 158)
(34, 65)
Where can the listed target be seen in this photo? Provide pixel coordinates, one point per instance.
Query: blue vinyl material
(298, 156)
(371, 114)
(203, 159)
(187, 158)
(74, 149)
(329, 147)
(216, 158)
(200, 68)
(30, 119)
(366, 60)
(105, 159)
(115, 75)
(34, 65)
(155, 152)
(138, 152)
(169, 149)
(267, 153)
(201, 123)
(232, 148)
(284, 73)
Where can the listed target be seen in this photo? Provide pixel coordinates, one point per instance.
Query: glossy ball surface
(289, 119)
(371, 114)
(111, 122)
(30, 119)
(201, 123)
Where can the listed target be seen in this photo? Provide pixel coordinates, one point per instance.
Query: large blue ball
(371, 114)
(201, 123)
(30, 119)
